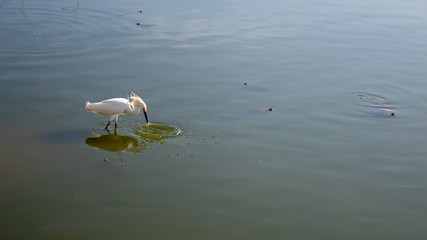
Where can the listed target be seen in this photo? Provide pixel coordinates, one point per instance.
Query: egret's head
(139, 103)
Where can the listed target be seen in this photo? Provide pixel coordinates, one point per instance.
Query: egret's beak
(145, 114)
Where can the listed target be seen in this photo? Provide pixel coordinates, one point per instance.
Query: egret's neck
(134, 110)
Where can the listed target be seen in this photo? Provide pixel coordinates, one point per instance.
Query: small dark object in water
(270, 109)
(140, 11)
(147, 25)
(107, 161)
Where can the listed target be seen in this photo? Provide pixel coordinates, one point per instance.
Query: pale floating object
(381, 111)
(261, 110)
(255, 87)
(386, 111)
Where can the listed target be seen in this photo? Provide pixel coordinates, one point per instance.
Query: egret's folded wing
(109, 107)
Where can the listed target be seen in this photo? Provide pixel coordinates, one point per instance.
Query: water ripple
(58, 31)
(370, 99)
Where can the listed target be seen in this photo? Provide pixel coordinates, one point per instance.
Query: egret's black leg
(115, 125)
(106, 128)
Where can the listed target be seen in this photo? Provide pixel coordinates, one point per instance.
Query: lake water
(328, 162)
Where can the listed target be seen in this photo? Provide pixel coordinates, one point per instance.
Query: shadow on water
(144, 136)
(64, 136)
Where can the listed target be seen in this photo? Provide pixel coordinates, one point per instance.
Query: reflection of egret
(145, 137)
(115, 106)
(115, 143)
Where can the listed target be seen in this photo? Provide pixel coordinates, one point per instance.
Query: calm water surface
(326, 162)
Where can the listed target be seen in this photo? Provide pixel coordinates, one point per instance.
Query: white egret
(115, 106)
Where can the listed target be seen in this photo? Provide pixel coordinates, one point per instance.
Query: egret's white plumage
(115, 106)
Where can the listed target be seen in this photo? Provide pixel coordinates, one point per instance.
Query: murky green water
(327, 161)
